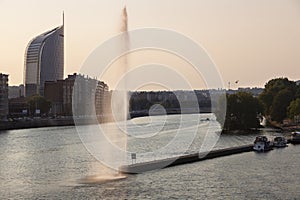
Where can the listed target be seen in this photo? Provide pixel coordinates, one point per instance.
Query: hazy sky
(249, 40)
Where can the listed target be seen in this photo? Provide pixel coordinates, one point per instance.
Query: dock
(190, 158)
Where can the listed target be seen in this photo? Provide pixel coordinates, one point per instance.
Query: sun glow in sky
(249, 40)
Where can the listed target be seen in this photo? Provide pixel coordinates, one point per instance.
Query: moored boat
(262, 143)
(280, 141)
(295, 138)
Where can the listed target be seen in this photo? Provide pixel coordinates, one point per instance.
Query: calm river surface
(47, 163)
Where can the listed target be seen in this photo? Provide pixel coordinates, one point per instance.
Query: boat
(262, 144)
(295, 137)
(280, 141)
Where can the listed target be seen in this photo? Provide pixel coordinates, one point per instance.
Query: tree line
(279, 100)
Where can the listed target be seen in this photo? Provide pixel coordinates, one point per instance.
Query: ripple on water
(47, 164)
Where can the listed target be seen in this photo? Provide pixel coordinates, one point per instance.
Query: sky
(251, 41)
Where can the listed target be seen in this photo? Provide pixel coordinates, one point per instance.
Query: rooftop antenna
(63, 18)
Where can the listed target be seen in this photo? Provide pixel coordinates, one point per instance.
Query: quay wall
(38, 123)
(190, 158)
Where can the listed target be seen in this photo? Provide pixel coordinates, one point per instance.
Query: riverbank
(173, 111)
(44, 122)
(242, 131)
(284, 127)
(70, 121)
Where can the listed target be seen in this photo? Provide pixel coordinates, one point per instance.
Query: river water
(48, 163)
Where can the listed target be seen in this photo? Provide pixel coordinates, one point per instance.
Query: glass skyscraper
(44, 61)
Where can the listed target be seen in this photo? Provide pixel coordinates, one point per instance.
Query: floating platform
(190, 158)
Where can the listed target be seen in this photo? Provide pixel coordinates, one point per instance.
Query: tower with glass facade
(44, 61)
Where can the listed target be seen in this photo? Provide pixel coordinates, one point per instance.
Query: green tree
(276, 97)
(242, 112)
(280, 104)
(38, 102)
(297, 92)
(294, 108)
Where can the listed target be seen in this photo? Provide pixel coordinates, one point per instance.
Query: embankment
(170, 162)
(38, 123)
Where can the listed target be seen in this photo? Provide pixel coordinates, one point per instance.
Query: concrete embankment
(35, 124)
(38, 123)
(170, 162)
(170, 111)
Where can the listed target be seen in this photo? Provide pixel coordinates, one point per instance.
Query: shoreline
(41, 123)
(70, 121)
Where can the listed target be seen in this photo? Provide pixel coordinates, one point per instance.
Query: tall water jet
(125, 69)
(122, 87)
(116, 131)
(119, 101)
(124, 26)
(110, 144)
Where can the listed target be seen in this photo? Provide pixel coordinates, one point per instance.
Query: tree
(38, 102)
(282, 100)
(297, 92)
(274, 100)
(242, 112)
(294, 108)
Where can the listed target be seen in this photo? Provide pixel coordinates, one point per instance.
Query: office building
(3, 96)
(88, 90)
(15, 91)
(44, 61)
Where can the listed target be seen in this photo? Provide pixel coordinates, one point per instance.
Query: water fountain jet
(116, 131)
